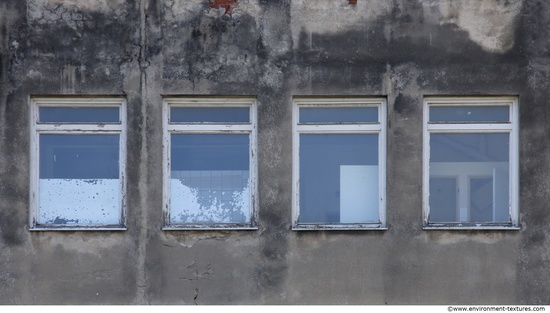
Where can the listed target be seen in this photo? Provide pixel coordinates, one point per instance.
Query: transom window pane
(339, 178)
(314, 115)
(210, 114)
(469, 177)
(465, 114)
(79, 114)
(79, 179)
(210, 178)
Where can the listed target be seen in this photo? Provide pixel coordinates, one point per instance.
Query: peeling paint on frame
(37, 128)
(210, 128)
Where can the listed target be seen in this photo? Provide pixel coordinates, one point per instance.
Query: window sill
(302, 227)
(471, 227)
(77, 228)
(208, 227)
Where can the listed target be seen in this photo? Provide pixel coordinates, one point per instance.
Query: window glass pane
(79, 115)
(210, 178)
(315, 115)
(209, 115)
(469, 178)
(469, 113)
(443, 199)
(339, 178)
(79, 179)
(481, 198)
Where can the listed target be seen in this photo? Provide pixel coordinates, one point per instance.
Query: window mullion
(504, 127)
(78, 127)
(208, 128)
(339, 128)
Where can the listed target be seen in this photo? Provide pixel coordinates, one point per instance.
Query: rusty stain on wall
(227, 5)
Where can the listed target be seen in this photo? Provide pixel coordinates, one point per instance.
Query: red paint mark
(228, 5)
(352, 1)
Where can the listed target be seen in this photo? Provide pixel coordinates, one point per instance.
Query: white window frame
(38, 128)
(511, 128)
(378, 128)
(210, 128)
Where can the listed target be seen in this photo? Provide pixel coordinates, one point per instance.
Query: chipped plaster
(489, 23)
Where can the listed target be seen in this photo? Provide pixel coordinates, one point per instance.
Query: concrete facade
(275, 50)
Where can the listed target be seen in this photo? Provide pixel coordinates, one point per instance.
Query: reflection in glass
(339, 178)
(210, 178)
(79, 114)
(469, 178)
(79, 179)
(469, 114)
(314, 115)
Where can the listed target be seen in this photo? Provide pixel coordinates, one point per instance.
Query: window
(77, 163)
(471, 162)
(209, 163)
(339, 163)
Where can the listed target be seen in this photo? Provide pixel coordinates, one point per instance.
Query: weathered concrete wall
(274, 50)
